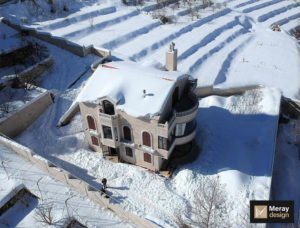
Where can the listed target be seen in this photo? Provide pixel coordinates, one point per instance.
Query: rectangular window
(107, 134)
(95, 141)
(180, 128)
(129, 152)
(162, 143)
(147, 157)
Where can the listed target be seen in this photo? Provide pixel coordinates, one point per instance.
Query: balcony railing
(109, 117)
(187, 105)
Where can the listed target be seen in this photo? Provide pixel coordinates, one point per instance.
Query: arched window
(95, 141)
(128, 152)
(175, 97)
(146, 139)
(91, 122)
(127, 133)
(108, 108)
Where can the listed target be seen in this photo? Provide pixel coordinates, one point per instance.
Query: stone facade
(143, 141)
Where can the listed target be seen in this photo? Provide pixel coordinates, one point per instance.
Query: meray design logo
(271, 211)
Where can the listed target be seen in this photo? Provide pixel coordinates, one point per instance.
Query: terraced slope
(208, 46)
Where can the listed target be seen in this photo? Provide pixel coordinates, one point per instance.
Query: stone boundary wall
(210, 90)
(18, 121)
(36, 70)
(31, 72)
(75, 182)
(57, 41)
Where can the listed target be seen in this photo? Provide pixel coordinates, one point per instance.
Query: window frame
(125, 126)
(107, 111)
(128, 149)
(147, 156)
(95, 143)
(111, 133)
(163, 143)
(150, 139)
(88, 122)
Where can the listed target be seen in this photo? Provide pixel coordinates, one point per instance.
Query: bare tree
(209, 206)
(44, 214)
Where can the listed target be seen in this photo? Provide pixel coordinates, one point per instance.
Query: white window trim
(88, 128)
(130, 132)
(151, 139)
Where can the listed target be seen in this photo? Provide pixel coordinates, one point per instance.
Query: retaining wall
(16, 122)
(78, 184)
(59, 41)
(36, 70)
(210, 90)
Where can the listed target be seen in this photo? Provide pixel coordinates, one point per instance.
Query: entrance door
(112, 151)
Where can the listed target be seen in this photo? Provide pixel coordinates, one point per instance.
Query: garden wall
(16, 122)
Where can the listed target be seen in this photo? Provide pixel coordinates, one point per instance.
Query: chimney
(171, 58)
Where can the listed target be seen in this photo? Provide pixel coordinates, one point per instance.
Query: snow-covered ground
(8, 40)
(16, 172)
(227, 46)
(236, 136)
(235, 34)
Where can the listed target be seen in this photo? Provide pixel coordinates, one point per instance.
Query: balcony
(186, 108)
(187, 136)
(185, 111)
(110, 120)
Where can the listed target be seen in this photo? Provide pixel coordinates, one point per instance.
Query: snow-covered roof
(124, 82)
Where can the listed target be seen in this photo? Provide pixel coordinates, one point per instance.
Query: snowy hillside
(244, 166)
(225, 45)
(228, 44)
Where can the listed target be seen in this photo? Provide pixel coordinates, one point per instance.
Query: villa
(139, 114)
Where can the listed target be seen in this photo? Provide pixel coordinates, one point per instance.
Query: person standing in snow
(104, 182)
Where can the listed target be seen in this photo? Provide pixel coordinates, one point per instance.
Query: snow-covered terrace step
(245, 4)
(164, 41)
(76, 18)
(260, 5)
(291, 25)
(122, 39)
(195, 61)
(207, 39)
(194, 34)
(276, 12)
(198, 38)
(288, 19)
(279, 17)
(211, 73)
(78, 30)
(120, 33)
(269, 9)
(139, 43)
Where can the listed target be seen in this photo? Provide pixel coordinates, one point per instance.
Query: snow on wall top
(124, 83)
